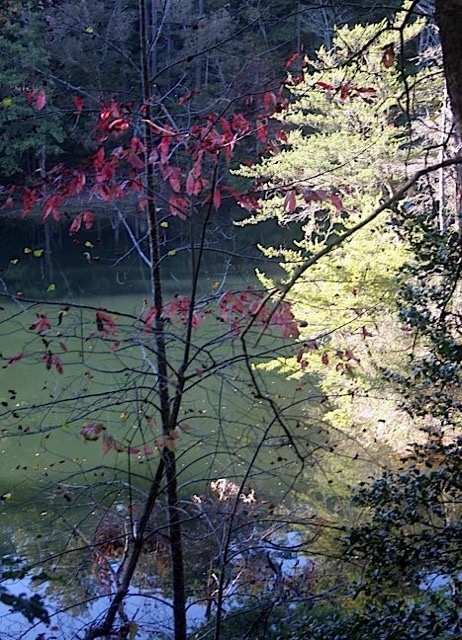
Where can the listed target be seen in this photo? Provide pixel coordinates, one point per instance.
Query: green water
(221, 421)
(55, 485)
(43, 411)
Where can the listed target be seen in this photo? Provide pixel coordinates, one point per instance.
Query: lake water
(55, 486)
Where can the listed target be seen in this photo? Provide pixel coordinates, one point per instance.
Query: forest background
(236, 407)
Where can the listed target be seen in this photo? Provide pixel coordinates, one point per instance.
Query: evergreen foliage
(32, 133)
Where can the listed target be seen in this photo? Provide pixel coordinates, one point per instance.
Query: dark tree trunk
(449, 21)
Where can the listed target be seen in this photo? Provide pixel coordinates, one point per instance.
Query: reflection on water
(45, 261)
(152, 611)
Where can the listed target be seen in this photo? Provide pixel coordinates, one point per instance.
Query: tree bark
(448, 14)
(449, 20)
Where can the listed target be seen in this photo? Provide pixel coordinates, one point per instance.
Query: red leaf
(51, 360)
(119, 125)
(108, 444)
(240, 124)
(105, 324)
(191, 184)
(78, 102)
(179, 206)
(349, 355)
(48, 359)
(179, 307)
(184, 99)
(58, 364)
(134, 160)
(370, 90)
(98, 159)
(388, 57)
(92, 431)
(262, 131)
(77, 183)
(337, 202)
(75, 225)
(164, 147)
(30, 94)
(107, 170)
(174, 177)
(310, 195)
(269, 101)
(284, 319)
(197, 167)
(136, 145)
(281, 136)
(40, 100)
(52, 206)
(365, 332)
(324, 85)
(216, 198)
(9, 202)
(87, 217)
(42, 324)
(344, 91)
(225, 125)
(248, 202)
(291, 59)
(151, 317)
(325, 359)
(14, 359)
(29, 199)
(290, 202)
(153, 156)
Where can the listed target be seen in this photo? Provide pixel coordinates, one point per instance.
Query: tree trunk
(449, 20)
(448, 16)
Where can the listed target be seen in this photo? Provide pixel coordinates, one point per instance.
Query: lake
(56, 487)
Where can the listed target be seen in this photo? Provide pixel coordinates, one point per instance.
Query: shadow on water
(44, 260)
